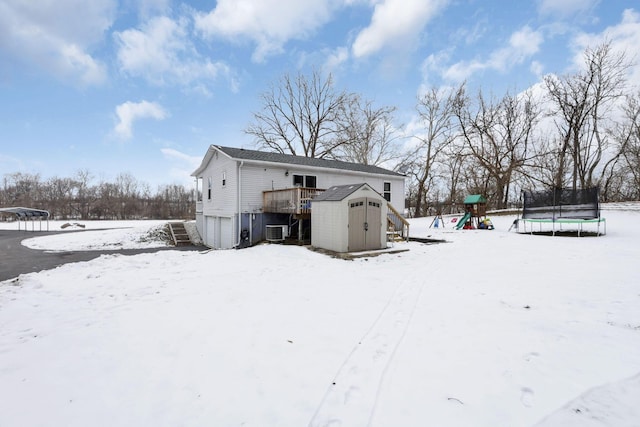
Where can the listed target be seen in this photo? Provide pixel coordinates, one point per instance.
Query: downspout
(239, 231)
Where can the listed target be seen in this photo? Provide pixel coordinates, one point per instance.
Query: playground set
(475, 215)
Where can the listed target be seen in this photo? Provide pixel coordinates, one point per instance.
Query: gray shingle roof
(263, 156)
(337, 193)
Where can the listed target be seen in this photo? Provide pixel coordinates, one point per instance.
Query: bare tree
(300, 116)
(128, 196)
(622, 178)
(58, 192)
(498, 135)
(77, 197)
(85, 194)
(540, 169)
(438, 129)
(582, 101)
(453, 165)
(367, 133)
(23, 189)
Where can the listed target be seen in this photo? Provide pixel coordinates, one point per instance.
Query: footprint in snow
(352, 393)
(527, 397)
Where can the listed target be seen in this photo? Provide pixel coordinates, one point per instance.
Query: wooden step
(179, 234)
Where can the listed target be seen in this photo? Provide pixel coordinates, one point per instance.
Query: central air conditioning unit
(277, 233)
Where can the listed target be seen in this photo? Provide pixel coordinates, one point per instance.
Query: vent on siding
(277, 233)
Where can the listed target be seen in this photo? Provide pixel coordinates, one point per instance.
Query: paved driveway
(16, 259)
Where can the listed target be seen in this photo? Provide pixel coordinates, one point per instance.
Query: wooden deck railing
(298, 201)
(289, 200)
(396, 221)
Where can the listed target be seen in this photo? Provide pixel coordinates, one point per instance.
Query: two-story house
(242, 194)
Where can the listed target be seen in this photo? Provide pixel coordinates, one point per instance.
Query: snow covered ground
(96, 235)
(492, 328)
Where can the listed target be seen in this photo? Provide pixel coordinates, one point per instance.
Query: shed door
(374, 220)
(357, 220)
(365, 220)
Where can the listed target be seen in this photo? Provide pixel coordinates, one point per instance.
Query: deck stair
(179, 234)
(393, 235)
(397, 226)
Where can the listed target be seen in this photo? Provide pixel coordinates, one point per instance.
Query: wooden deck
(295, 201)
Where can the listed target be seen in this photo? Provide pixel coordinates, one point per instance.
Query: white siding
(259, 178)
(223, 197)
(256, 179)
(217, 226)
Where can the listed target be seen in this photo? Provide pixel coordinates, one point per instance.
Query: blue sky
(143, 87)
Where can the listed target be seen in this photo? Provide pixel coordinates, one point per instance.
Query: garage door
(210, 231)
(226, 233)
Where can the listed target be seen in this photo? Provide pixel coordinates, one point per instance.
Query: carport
(28, 215)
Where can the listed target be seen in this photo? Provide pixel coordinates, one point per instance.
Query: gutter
(239, 230)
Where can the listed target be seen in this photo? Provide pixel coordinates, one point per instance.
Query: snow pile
(614, 405)
(143, 235)
(491, 328)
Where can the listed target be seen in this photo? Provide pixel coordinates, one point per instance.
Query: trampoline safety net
(561, 203)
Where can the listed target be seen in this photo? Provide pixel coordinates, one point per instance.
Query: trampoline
(561, 206)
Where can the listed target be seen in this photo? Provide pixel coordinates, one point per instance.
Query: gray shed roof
(339, 192)
(263, 156)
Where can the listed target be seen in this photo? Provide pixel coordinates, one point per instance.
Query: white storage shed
(349, 218)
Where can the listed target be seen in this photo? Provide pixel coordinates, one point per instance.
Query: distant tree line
(573, 131)
(80, 198)
(577, 130)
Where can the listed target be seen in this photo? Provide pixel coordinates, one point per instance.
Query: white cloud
(149, 7)
(565, 8)
(537, 68)
(624, 38)
(182, 165)
(523, 44)
(335, 59)
(129, 112)
(162, 53)
(394, 22)
(173, 154)
(267, 23)
(57, 36)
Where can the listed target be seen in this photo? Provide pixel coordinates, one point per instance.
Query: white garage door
(226, 233)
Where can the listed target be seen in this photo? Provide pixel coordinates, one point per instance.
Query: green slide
(463, 220)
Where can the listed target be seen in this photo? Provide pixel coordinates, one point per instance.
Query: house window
(308, 181)
(387, 191)
(224, 179)
(209, 185)
(199, 189)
